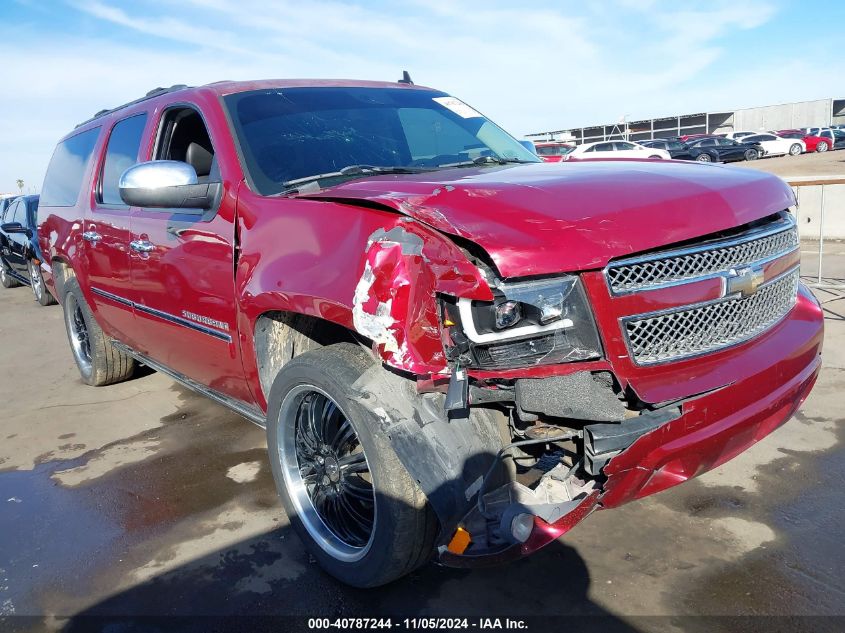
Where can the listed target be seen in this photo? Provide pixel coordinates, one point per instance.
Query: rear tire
(822, 147)
(391, 528)
(98, 361)
(751, 154)
(795, 149)
(704, 158)
(39, 288)
(6, 279)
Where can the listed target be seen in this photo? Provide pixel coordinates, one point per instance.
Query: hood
(547, 218)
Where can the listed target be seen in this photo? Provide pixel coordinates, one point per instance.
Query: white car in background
(777, 145)
(737, 135)
(615, 149)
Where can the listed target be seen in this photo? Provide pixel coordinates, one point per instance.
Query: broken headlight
(529, 322)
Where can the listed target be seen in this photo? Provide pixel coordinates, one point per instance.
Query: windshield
(291, 135)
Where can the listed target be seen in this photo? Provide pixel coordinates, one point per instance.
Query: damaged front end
(508, 462)
(565, 430)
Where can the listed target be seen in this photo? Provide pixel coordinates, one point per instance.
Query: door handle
(142, 246)
(91, 236)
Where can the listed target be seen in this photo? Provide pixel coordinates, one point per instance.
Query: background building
(820, 112)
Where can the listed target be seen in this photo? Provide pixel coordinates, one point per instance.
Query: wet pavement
(145, 499)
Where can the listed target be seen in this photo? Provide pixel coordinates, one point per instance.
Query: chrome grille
(691, 331)
(689, 264)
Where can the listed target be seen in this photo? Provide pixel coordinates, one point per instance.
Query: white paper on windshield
(457, 106)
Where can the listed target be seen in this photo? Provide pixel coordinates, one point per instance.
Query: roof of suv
(223, 88)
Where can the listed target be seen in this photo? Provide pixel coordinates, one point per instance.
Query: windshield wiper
(488, 160)
(351, 171)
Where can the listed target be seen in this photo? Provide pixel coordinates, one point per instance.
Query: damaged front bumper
(647, 454)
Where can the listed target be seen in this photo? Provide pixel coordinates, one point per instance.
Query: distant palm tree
(20, 184)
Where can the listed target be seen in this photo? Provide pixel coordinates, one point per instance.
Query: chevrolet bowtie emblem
(744, 281)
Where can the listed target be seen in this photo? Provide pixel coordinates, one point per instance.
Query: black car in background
(20, 257)
(679, 150)
(727, 150)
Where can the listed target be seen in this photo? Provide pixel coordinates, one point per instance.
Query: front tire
(350, 499)
(794, 149)
(704, 158)
(98, 361)
(39, 288)
(751, 154)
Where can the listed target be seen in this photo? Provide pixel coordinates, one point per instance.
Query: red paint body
(306, 254)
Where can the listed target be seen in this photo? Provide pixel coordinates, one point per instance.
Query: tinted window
(706, 142)
(19, 213)
(293, 133)
(625, 146)
(121, 154)
(726, 141)
(674, 146)
(602, 147)
(553, 150)
(67, 168)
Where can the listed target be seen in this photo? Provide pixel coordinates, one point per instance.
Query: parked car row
(733, 146)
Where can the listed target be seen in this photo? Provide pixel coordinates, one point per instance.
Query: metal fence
(824, 232)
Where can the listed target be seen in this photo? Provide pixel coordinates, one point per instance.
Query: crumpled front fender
(395, 302)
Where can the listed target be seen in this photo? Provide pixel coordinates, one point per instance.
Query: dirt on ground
(813, 164)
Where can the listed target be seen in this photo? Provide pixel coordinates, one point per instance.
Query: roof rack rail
(155, 92)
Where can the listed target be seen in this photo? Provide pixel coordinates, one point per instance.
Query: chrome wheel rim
(2, 274)
(822, 147)
(751, 155)
(795, 150)
(77, 329)
(326, 473)
(35, 277)
(704, 158)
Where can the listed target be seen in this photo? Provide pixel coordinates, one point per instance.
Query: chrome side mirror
(166, 184)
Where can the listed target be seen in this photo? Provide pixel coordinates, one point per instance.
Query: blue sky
(547, 65)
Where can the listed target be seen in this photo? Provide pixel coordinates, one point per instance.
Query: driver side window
(184, 137)
(20, 213)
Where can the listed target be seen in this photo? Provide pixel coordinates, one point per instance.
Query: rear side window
(121, 154)
(67, 168)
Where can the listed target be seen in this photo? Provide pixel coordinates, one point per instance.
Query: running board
(252, 414)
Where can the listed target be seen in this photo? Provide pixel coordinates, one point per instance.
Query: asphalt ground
(142, 499)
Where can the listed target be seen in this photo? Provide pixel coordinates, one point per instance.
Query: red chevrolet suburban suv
(458, 351)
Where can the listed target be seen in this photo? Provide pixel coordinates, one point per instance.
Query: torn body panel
(395, 302)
